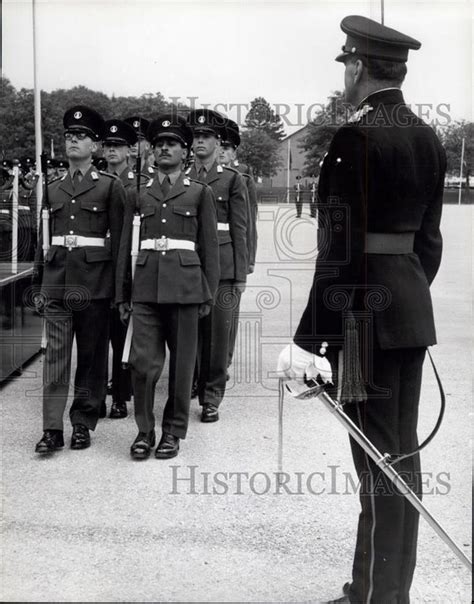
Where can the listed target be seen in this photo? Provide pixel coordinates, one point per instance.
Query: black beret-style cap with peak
(84, 119)
(139, 124)
(231, 134)
(367, 38)
(119, 132)
(170, 125)
(206, 120)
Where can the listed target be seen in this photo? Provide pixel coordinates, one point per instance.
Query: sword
(317, 390)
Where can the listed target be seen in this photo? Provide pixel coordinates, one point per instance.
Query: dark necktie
(202, 173)
(166, 185)
(76, 179)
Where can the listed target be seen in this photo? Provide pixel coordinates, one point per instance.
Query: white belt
(26, 208)
(164, 243)
(77, 241)
(222, 226)
(4, 211)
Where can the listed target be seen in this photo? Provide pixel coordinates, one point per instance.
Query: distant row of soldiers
(309, 194)
(157, 256)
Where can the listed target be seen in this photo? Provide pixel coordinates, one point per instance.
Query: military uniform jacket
(384, 173)
(93, 209)
(231, 208)
(252, 208)
(176, 276)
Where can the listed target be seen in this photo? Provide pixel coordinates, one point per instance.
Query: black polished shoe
(109, 388)
(209, 413)
(142, 445)
(167, 447)
(118, 410)
(344, 598)
(51, 441)
(103, 410)
(80, 438)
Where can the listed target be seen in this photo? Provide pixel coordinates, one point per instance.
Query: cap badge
(136, 123)
(78, 115)
(166, 124)
(113, 129)
(201, 119)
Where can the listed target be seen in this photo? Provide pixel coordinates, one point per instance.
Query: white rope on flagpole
(288, 173)
(38, 136)
(460, 170)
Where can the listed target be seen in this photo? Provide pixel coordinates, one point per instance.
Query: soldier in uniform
(380, 191)
(313, 200)
(298, 197)
(176, 277)
(230, 140)
(118, 139)
(230, 197)
(140, 125)
(76, 283)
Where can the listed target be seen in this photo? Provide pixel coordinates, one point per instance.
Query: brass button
(163, 220)
(71, 232)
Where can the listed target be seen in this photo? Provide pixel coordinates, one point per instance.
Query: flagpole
(382, 11)
(288, 173)
(38, 136)
(460, 170)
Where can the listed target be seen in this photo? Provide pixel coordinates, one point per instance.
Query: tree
(260, 151)
(321, 131)
(17, 131)
(452, 140)
(262, 117)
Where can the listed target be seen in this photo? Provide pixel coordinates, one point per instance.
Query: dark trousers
(385, 553)
(214, 333)
(234, 326)
(154, 326)
(299, 207)
(121, 378)
(90, 327)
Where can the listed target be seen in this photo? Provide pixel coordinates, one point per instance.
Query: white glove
(296, 363)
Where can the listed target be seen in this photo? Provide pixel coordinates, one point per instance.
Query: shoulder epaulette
(230, 169)
(50, 182)
(106, 174)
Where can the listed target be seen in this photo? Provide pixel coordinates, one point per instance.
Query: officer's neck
(117, 168)
(206, 161)
(370, 88)
(83, 165)
(170, 169)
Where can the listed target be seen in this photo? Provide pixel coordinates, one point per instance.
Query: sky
(227, 53)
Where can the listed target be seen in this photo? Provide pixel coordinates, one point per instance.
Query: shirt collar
(173, 176)
(376, 92)
(206, 165)
(83, 171)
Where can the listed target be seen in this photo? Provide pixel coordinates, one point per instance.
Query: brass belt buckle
(70, 241)
(161, 244)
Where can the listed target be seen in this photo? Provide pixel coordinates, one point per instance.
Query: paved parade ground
(210, 525)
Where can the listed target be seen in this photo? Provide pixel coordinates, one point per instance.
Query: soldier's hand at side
(125, 312)
(296, 363)
(204, 310)
(39, 303)
(239, 286)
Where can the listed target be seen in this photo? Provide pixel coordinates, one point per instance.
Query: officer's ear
(184, 153)
(94, 146)
(358, 71)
